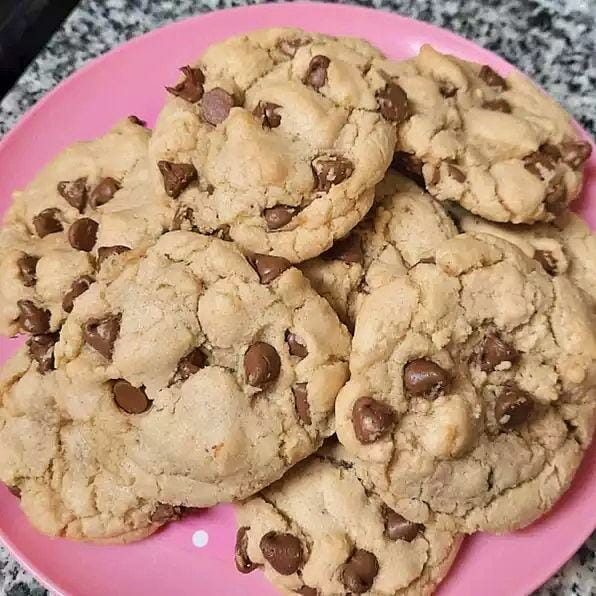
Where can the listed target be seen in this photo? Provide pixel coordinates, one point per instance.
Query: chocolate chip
(348, 250)
(513, 407)
(436, 176)
(101, 334)
(492, 78)
(79, 286)
(41, 349)
(82, 234)
(265, 112)
(282, 551)
(372, 419)
(278, 216)
(393, 103)
(316, 75)
(456, 173)
(574, 154)
(538, 161)
(217, 104)
(307, 591)
(164, 513)
(555, 199)
(547, 260)
(191, 88)
(47, 222)
(243, 562)
(398, 527)
(106, 252)
(261, 364)
(32, 318)
(551, 150)
(103, 192)
(494, 350)
(269, 267)
(290, 46)
(497, 105)
(136, 120)
(189, 365)
(15, 491)
(358, 574)
(27, 269)
(408, 165)
(296, 345)
(131, 399)
(423, 377)
(183, 215)
(176, 176)
(74, 192)
(330, 170)
(301, 402)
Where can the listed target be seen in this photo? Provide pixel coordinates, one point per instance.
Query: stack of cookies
(342, 291)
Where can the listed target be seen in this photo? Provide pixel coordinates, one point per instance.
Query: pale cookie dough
(403, 228)
(498, 146)
(276, 140)
(63, 454)
(227, 372)
(472, 387)
(92, 201)
(322, 531)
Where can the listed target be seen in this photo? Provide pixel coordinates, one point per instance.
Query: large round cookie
(498, 146)
(403, 228)
(472, 387)
(277, 139)
(64, 455)
(91, 202)
(322, 531)
(226, 370)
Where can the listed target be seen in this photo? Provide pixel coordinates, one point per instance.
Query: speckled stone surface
(552, 41)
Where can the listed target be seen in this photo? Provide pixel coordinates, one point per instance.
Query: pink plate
(196, 556)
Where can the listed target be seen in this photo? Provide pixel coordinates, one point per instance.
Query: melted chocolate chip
(82, 234)
(106, 252)
(47, 222)
(494, 351)
(136, 120)
(189, 365)
(358, 574)
(131, 399)
(547, 260)
(164, 513)
(316, 75)
(261, 364)
(32, 318)
(296, 345)
(372, 419)
(278, 216)
(15, 491)
(555, 199)
(41, 349)
(101, 334)
(265, 112)
(74, 192)
(307, 591)
(456, 173)
(176, 176)
(217, 104)
(398, 527)
(424, 377)
(290, 46)
(574, 154)
(191, 88)
(348, 250)
(492, 78)
(301, 402)
(27, 270)
(538, 161)
(79, 286)
(513, 407)
(268, 267)
(282, 551)
(497, 105)
(184, 215)
(103, 192)
(410, 166)
(331, 170)
(393, 103)
(243, 562)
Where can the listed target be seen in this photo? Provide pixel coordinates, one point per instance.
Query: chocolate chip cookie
(276, 140)
(497, 145)
(472, 387)
(225, 367)
(322, 530)
(403, 228)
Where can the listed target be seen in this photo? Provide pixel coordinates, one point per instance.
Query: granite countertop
(550, 40)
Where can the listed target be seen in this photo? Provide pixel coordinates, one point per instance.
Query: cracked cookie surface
(403, 227)
(498, 146)
(276, 139)
(226, 370)
(322, 531)
(472, 387)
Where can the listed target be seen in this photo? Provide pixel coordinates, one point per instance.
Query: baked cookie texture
(321, 530)
(226, 372)
(403, 228)
(472, 387)
(497, 145)
(276, 140)
(90, 203)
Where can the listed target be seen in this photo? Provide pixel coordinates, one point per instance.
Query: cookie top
(498, 146)
(276, 140)
(227, 370)
(321, 530)
(472, 387)
(92, 201)
(63, 456)
(403, 228)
